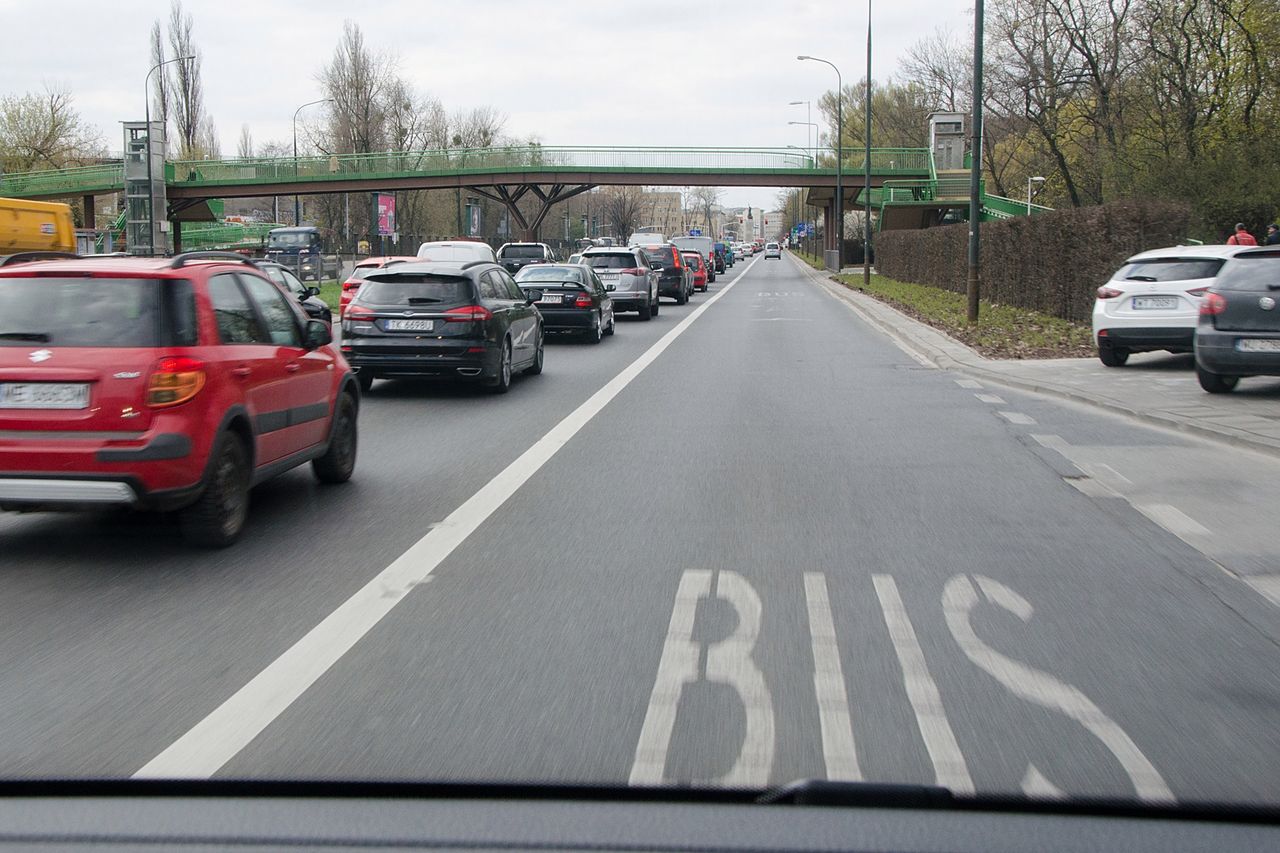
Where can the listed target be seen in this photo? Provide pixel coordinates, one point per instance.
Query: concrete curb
(958, 357)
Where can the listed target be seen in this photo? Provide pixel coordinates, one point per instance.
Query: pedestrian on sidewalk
(1242, 237)
(1273, 235)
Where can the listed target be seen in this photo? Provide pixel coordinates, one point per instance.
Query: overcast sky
(567, 71)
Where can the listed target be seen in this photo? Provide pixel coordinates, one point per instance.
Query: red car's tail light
(357, 312)
(467, 314)
(175, 379)
(1213, 305)
(1109, 292)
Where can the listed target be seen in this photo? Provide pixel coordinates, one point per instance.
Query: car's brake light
(582, 301)
(678, 263)
(354, 284)
(358, 312)
(467, 314)
(175, 379)
(1198, 291)
(1105, 292)
(633, 271)
(1213, 305)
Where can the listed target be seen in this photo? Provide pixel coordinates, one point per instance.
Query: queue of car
(178, 384)
(1218, 302)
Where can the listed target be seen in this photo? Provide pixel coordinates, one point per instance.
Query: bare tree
(162, 97)
(44, 130)
(357, 80)
(624, 208)
(705, 200)
(193, 125)
(941, 67)
(244, 148)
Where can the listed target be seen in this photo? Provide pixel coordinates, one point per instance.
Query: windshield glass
(1260, 271)
(407, 288)
(94, 312)
(611, 261)
(807, 496)
(290, 240)
(543, 272)
(1171, 269)
(522, 252)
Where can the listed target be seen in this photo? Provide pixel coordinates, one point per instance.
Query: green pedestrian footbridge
(904, 186)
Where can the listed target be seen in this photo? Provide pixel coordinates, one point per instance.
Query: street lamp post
(1037, 179)
(151, 196)
(974, 283)
(839, 155)
(866, 226)
(297, 202)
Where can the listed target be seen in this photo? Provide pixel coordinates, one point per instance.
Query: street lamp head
(1038, 179)
(796, 103)
(804, 57)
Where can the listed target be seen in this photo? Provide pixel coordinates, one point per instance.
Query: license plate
(1254, 345)
(1141, 303)
(551, 299)
(44, 395)
(410, 325)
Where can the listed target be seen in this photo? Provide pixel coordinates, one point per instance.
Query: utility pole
(975, 169)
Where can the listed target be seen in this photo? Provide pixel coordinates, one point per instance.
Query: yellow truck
(35, 226)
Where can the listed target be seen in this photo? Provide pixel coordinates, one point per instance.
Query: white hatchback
(1153, 301)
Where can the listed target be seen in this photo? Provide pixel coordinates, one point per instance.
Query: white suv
(1153, 301)
(772, 250)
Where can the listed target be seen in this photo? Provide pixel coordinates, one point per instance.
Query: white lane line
(838, 750)
(1034, 784)
(1172, 519)
(216, 739)
(968, 383)
(1018, 418)
(1268, 586)
(922, 692)
(677, 667)
(1052, 442)
(1103, 471)
(990, 398)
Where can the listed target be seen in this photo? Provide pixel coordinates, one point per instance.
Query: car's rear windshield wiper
(1140, 278)
(421, 300)
(40, 337)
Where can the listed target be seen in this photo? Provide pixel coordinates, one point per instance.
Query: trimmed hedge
(1053, 262)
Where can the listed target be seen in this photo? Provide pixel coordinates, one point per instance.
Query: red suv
(164, 384)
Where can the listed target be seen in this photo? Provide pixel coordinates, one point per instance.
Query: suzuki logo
(40, 355)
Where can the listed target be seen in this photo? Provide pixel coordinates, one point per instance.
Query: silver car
(628, 276)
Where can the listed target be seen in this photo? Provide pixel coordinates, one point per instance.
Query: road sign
(695, 232)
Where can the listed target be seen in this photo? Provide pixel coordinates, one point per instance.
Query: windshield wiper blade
(1140, 278)
(38, 337)
(422, 300)
(822, 792)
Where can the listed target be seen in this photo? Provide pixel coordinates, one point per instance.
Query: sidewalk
(1158, 388)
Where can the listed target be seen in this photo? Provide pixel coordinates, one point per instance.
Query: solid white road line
(217, 738)
(922, 692)
(1268, 586)
(838, 749)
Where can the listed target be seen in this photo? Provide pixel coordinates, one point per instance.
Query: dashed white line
(216, 739)
(968, 383)
(1052, 442)
(1172, 519)
(1018, 418)
(990, 398)
(838, 750)
(940, 741)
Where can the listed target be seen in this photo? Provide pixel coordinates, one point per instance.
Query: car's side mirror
(316, 334)
(308, 292)
(532, 295)
(658, 269)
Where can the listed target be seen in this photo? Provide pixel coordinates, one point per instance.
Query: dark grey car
(1239, 330)
(443, 320)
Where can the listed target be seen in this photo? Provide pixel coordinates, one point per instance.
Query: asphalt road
(749, 541)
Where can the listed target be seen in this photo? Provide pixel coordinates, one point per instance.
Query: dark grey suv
(445, 320)
(1239, 330)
